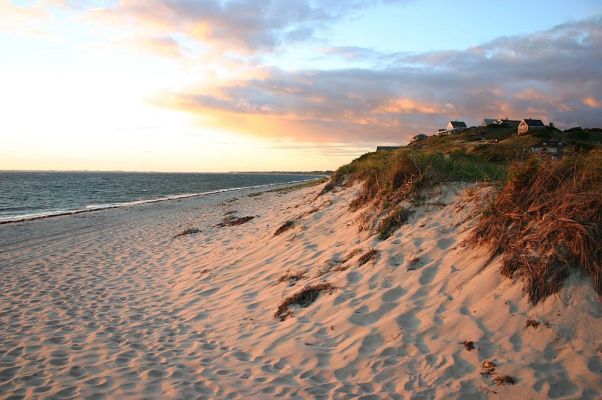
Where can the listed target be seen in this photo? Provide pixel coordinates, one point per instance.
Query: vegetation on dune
(404, 171)
(545, 220)
(396, 218)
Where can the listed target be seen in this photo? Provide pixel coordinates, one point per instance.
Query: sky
(261, 85)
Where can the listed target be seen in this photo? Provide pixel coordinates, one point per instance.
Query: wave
(98, 207)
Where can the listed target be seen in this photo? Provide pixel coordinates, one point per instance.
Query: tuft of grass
(546, 222)
(392, 222)
(395, 175)
(370, 255)
(303, 298)
(285, 227)
(189, 231)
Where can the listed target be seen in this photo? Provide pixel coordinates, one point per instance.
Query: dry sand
(110, 305)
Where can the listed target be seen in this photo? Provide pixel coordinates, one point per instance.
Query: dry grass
(285, 227)
(393, 176)
(303, 298)
(370, 255)
(546, 222)
(392, 222)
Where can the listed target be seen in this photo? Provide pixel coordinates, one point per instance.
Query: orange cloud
(406, 105)
(531, 94)
(592, 102)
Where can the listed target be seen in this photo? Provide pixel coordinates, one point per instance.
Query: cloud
(592, 102)
(31, 21)
(163, 46)
(555, 75)
(234, 25)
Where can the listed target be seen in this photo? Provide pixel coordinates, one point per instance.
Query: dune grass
(546, 222)
(392, 222)
(396, 175)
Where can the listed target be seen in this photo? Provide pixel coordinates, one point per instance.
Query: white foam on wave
(105, 206)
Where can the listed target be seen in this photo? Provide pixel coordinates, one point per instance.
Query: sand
(110, 305)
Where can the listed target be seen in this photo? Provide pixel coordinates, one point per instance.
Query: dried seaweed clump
(303, 298)
(189, 231)
(234, 221)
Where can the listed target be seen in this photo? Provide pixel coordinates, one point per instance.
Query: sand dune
(115, 305)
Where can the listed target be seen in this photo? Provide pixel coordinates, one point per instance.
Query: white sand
(109, 305)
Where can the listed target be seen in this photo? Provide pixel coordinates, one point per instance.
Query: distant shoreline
(100, 207)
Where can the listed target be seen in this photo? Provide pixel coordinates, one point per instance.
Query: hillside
(544, 215)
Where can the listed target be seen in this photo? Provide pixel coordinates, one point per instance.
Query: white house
(455, 126)
(529, 124)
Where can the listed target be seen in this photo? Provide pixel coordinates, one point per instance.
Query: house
(418, 138)
(552, 148)
(387, 148)
(488, 122)
(528, 124)
(455, 126)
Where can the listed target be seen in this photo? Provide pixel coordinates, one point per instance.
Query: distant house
(528, 124)
(418, 138)
(512, 123)
(552, 149)
(455, 126)
(488, 122)
(387, 148)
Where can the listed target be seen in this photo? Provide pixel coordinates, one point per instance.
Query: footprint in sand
(393, 294)
(408, 321)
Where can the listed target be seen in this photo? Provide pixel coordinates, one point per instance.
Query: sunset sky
(206, 85)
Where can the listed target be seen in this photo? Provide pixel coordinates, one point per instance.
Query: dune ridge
(111, 305)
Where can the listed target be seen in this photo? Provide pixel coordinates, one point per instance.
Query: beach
(180, 299)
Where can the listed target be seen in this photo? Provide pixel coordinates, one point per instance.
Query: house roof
(458, 124)
(387, 148)
(533, 122)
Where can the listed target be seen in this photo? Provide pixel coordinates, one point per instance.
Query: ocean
(29, 195)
